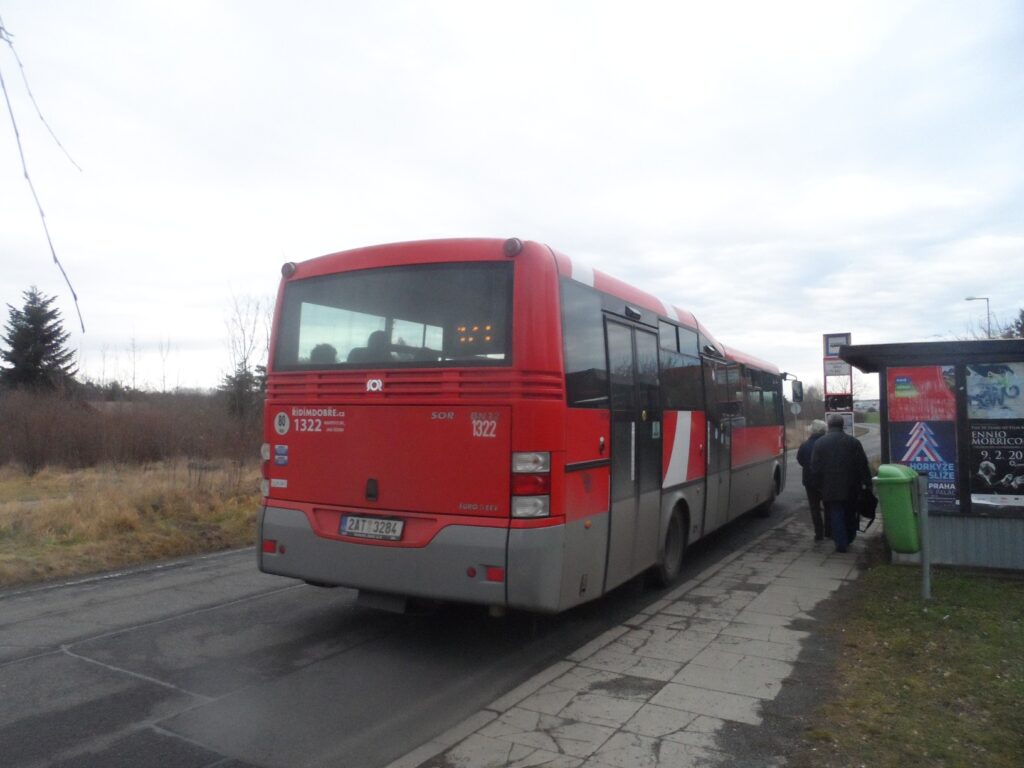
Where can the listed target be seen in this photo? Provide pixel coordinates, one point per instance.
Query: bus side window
(667, 336)
(682, 388)
(586, 365)
(763, 406)
(688, 342)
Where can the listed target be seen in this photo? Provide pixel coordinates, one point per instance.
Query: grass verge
(59, 523)
(931, 685)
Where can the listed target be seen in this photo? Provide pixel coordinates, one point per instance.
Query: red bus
(493, 422)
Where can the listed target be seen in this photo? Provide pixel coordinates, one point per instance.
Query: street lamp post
(988, 313)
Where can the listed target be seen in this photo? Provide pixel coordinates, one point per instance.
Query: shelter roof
(871, 358)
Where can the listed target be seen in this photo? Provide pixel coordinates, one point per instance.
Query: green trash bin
(896, 489)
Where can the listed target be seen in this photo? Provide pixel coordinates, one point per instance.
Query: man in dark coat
(839, 470)
(803, 458)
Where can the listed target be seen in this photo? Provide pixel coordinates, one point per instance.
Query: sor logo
(374, 385)
(282, 423)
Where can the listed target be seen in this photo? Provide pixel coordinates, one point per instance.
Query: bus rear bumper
(461, 563)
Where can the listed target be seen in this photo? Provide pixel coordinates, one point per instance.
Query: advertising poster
(929, 446)
(994, 391)
(997, 464)
(922, 393)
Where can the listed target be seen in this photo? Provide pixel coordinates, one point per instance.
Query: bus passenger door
(635, 451)
(719, 442)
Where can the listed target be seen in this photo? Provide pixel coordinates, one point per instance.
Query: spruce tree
(34, 346)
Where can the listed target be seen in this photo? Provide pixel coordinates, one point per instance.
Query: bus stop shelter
(955, 410)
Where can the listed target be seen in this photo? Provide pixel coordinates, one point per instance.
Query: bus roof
(601, 281)
(750, 360)
(471, 248)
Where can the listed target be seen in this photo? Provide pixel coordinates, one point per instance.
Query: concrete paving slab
(598, 643)
(630, 750)
(716, 657)
(599, 709)
(549, 700)
(750, 616)
(554, 734)
(585, 680)
(660, 689)
(762, 648)
(695, 624)
(531, 686)
(480, 751)
(623, 660)
(750, 676)
(680, 649)
(701, 701)
(658, 722)
(762, 632)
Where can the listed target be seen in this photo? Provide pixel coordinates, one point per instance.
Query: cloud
(781, 171)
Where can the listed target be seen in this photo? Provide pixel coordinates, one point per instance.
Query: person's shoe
(840, 549)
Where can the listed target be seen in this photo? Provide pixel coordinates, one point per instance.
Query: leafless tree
(164, 348)
(248, 326)
(133, 358)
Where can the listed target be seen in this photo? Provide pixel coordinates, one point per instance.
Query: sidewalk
(659, 689)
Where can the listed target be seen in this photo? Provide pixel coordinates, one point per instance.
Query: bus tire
(670, 566)
(765, 509)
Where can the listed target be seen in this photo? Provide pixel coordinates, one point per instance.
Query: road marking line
(137, 675)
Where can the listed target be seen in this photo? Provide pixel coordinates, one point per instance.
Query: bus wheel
(765, 509)
(671, 564)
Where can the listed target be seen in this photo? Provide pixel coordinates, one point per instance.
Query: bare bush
(39, 430)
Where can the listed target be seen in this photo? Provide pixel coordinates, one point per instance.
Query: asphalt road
(206, 662)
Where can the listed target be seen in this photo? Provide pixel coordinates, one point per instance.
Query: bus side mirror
(798, 392)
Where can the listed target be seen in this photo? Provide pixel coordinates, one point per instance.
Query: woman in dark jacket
(822, 528)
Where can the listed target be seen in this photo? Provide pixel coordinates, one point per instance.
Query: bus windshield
(424, 315)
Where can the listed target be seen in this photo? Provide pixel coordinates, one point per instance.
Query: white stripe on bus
(581, 273)
(679, 458)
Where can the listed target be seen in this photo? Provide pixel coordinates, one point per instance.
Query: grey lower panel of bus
(551, 569)
(534, 565)
(751, 486)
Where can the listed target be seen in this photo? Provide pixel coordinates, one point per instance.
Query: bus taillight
(265, 470)
(531, 484)
(531, 462)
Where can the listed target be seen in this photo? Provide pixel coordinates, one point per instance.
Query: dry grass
(58, 523)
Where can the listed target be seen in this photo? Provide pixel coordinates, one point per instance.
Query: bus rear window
(425, 315)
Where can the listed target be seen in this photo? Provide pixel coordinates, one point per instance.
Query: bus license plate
(372, 527)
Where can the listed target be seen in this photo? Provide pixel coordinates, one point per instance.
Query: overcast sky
(782, 170)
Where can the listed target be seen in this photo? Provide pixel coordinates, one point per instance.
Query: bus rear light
(496, 574)
(531, 485)
(531, 506)
(270, 546)
(264, 487)
(531, 461)
(265, 451)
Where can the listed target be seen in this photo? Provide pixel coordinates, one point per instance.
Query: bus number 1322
(485, 428)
